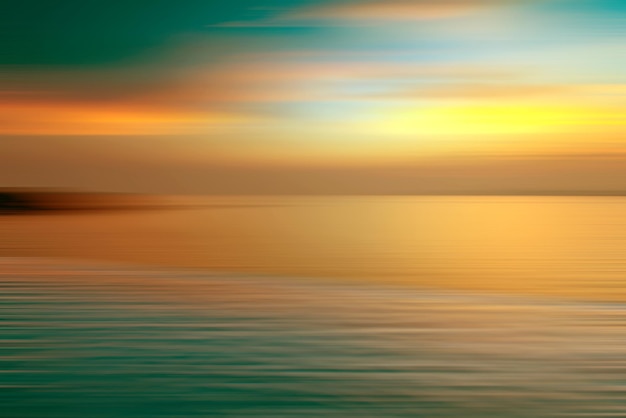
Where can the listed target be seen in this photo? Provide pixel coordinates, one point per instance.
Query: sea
(317, 306)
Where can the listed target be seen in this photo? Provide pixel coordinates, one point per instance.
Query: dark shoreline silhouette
(23, 201)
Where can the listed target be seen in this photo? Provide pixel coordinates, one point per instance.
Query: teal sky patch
(93, 32)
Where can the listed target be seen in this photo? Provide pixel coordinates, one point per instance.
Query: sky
(314, 96)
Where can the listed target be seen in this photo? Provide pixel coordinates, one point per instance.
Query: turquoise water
(89, 340)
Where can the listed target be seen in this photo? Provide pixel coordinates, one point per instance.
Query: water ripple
(100, 341)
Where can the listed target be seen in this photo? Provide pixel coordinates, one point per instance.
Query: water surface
(317, 307)
(563, 246)
(104, 341)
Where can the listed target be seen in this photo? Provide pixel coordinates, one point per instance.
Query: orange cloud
(79, 119)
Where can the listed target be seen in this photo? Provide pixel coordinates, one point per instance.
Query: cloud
(258, 80)
(254, 89)
(369, 11)
(54, 118)
(452, 90)
(391, 10)
(479, 91)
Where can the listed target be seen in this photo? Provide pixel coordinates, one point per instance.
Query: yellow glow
(501, 119)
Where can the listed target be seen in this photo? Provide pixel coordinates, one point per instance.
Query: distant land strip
(14, 201)
(22, 200)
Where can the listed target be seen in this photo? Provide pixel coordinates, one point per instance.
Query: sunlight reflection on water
(563, 246)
